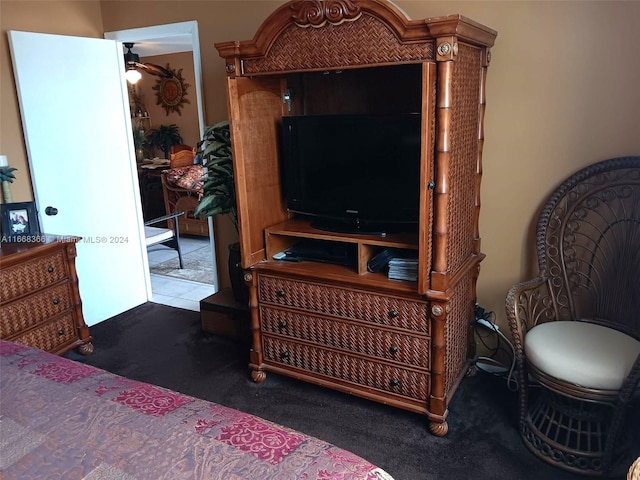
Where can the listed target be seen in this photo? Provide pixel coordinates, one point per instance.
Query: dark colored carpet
(165, 346)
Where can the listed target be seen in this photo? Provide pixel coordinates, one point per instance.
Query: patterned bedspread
(61, 419)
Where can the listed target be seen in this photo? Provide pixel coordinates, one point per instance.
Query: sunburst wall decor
(171, 92)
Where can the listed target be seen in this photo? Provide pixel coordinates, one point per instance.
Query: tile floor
(173, 291)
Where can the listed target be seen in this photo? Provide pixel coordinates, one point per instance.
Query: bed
(64, 419)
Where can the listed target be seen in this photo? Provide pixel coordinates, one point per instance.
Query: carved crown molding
(292, 32)
(316, 13)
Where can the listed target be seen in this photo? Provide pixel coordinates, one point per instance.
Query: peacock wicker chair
(576, 327)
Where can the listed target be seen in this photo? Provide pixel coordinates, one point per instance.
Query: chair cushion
(582, 353)
(154, 235)
(186, 177)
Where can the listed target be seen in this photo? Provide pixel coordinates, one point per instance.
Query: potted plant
(218, 194)
(6, 177)
(218, 187)
(164, 137)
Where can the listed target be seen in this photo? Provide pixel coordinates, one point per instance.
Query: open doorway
(174, 47)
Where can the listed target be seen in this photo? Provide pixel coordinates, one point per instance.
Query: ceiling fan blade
(154, 69)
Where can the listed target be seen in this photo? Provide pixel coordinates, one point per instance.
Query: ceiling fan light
(132, 75)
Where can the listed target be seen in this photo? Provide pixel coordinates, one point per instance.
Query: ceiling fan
(132, 62)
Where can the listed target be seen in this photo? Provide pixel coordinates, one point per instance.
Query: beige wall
(81, 18)
(561, 93)
(217, 21)
(187, 117)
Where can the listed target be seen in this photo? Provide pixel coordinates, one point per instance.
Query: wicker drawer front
(384, 310)
(31, 276)
(51, 335)
(376, 342)
(30, 311)
(348, 368)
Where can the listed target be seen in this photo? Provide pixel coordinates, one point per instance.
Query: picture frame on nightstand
(19, 222)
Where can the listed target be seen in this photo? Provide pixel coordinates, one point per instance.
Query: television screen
(355, 173)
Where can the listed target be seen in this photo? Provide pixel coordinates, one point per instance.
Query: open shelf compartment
(284, 235)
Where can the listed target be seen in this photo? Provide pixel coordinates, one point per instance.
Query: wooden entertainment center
(401, 343)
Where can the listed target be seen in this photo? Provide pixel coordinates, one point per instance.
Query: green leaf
(218, 186)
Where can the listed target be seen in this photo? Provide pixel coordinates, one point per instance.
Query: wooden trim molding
(373, 17)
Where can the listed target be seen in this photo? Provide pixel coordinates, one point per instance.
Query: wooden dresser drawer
(349, 368)
(50, 336)
(40, 304)
(32, 275)
(347, 335)
(29, 311)
(345, 303)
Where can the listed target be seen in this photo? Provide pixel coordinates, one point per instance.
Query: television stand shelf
(286, 234)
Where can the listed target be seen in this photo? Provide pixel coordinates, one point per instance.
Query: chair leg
(176, 234)
(179, 250)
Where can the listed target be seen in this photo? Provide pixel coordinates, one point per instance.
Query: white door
(75, 115)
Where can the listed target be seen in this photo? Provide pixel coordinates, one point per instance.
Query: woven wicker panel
(456, 329)
(464, 158)
(588, 244)
(366, 41)
(34, 309)
(350, 336)
(345, 367)
(188, 223)
(50, 336)
(350, 304)
(182, 158)
(178, 199)
(33, 275)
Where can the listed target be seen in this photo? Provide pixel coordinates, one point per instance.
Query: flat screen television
(353, 173)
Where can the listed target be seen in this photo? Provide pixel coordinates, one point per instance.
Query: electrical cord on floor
(486, 320)
(485, 333)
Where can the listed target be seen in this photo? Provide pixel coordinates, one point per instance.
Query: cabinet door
(255, 106)
(428, 108)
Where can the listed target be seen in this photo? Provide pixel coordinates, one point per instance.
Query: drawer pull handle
(284, 355)
(61, 332)
(56, 301)
(393, 313)
(394, 382)
(393, 349)
(282, 323)
(281, 293)
(50, 269)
